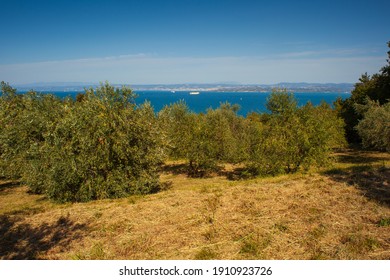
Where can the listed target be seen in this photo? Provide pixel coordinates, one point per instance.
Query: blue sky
(201, 41)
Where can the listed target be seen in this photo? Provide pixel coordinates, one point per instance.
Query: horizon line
(180, 83)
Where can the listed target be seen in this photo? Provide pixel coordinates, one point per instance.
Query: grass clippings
(340, 212)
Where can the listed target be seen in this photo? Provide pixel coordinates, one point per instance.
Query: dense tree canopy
(288, 139)
(103, 145)
(375, 88)
(374, 128)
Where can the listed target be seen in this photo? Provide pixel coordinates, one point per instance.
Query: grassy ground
(342, 212)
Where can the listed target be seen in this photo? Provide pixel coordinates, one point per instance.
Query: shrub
(201, 153)
(293, 138)
(176, 124)
(374, 128)
(103, 147)
(204, 140)
(227, 133)
(24, 121)
(376, 88)
(11, 145)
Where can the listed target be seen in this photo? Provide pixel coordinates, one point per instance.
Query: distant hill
(294, 87)
(58, 86)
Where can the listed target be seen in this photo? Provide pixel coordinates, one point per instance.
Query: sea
(248, 101)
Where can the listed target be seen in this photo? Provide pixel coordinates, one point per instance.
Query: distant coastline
(293, 87)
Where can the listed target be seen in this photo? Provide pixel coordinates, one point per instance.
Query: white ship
(194, 92)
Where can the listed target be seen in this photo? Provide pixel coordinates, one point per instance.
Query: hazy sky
(146, 41)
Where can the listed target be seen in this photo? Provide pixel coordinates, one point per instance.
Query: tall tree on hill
(375, 88)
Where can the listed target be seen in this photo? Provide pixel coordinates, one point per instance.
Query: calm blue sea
(248, 101)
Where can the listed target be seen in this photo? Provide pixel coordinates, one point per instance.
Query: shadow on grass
(238, 173)
(356, 155)
(233, 174)
(22, 241)
(366, 171)
(175, 168)
(373, 182)
(8, 184)
(358, 158)
(184, 169)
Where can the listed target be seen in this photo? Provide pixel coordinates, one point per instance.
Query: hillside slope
(341, 212)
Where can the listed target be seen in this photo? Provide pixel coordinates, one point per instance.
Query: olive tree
(374, 128)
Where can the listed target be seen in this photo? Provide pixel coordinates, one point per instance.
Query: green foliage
(187, 136)
(281, 102)
(24, 120)
(11, 106)
(203, 140)
(374, 128)
(375, 87)
(201, 153)
(384, 222)
(176, 122)
(286, 140)
(226, 133)
(102, 147)
(292, 138)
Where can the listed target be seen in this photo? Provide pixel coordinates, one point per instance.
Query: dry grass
(338, 213)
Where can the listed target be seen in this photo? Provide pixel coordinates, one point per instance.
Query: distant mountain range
(294, 87)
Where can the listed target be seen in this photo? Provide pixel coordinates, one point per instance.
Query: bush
(11, 145)
(227, 133)
(176, 124)
(24, 120)
(293, 138)
(376, 88)
(286, 140)
(374, 128)
(102, 146)
(204, 140)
